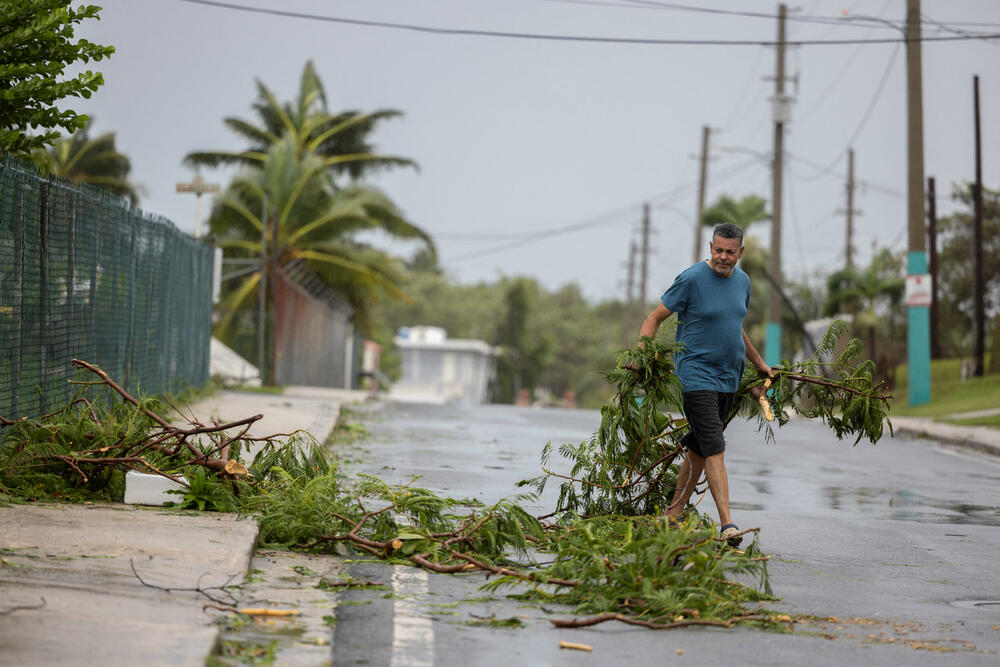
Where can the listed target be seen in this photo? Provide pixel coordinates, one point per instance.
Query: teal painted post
(772, 344)
(918, 338)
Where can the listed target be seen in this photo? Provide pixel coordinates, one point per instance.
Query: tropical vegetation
(36, 48)
(299, 197)
(92, 160)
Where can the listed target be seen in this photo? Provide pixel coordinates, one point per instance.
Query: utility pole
(932, 246)
(631, 319)
(781, 108)
(850, 211)
(977, 244)
(645, 257)
(702, 185)
(850, 207)
(918, 345)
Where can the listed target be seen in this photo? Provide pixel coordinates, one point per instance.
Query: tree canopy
(96, 161)
(956, 266)
(36, 47)
(303, 168)
(341, 140)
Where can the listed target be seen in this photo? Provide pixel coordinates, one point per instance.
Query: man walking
(711, 299)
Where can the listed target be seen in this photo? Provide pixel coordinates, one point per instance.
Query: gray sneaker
(730, 533)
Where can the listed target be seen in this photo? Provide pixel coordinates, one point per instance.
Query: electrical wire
(954, 31)
(807, 17)
(871, 185)
(793, 209)
(571, 38)
(864, 119)
(818, 102)
(744, 94)
(602, 219)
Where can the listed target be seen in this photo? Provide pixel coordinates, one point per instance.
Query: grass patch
(949, 393)
(271, 390)
(991, 421)
(348, 430)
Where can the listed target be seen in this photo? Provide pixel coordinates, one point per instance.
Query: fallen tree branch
(631, 620)
(195, 589)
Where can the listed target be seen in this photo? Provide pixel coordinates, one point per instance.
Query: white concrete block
(145, 489)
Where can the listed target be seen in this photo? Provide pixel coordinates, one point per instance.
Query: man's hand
(767, 372)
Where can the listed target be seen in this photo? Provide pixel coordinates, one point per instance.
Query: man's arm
(754, 356)
(653, 321)
(758, 362)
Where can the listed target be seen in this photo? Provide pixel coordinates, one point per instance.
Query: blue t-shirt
(710, 311)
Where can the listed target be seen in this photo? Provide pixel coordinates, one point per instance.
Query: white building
(437, 369)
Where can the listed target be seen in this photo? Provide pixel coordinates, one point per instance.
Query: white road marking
(412, 633)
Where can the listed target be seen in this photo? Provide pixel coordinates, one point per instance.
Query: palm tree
(861, 292)
(96, 161)
(307, 219)
(742, 213)
(306, 164)
(340, 139)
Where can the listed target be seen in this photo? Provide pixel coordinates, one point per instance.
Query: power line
(801, 18)
(870, 185)
(569, 38)
(794, 210)
(864, 118)
(602, 219)
(524, 239)
(744, 94)
(951, 30)
(817, 103)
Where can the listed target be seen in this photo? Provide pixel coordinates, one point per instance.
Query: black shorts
(707, 413)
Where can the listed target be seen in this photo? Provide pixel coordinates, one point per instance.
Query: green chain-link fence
(84, 275)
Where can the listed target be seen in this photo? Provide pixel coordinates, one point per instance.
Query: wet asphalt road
(898, 542)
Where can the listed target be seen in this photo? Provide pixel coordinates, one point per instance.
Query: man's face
(724, 255)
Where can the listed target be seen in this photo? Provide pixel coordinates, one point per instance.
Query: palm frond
(247, 130)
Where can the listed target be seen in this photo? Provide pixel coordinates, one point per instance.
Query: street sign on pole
(199, 187)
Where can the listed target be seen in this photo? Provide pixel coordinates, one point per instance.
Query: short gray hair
(728, 230)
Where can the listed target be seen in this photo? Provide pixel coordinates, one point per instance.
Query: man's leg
(718, 483)
(687, 478)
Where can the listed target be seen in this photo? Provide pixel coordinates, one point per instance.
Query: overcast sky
(520, 136)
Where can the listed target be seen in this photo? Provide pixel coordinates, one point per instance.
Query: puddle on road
(988, 605)
(800, 494)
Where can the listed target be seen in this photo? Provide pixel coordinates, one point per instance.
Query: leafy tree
(340, 140)
(583, 341)
(464, 311)
(36, 47)
(96, 161)
(571, 341)
(864, 292)
(956, 268)
(522, 357)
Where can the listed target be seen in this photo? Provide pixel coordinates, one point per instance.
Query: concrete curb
(79, 559)
(976, 438)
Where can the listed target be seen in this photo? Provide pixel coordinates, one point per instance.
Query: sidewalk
(78, 559)
(312, 409)
(978, 438)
